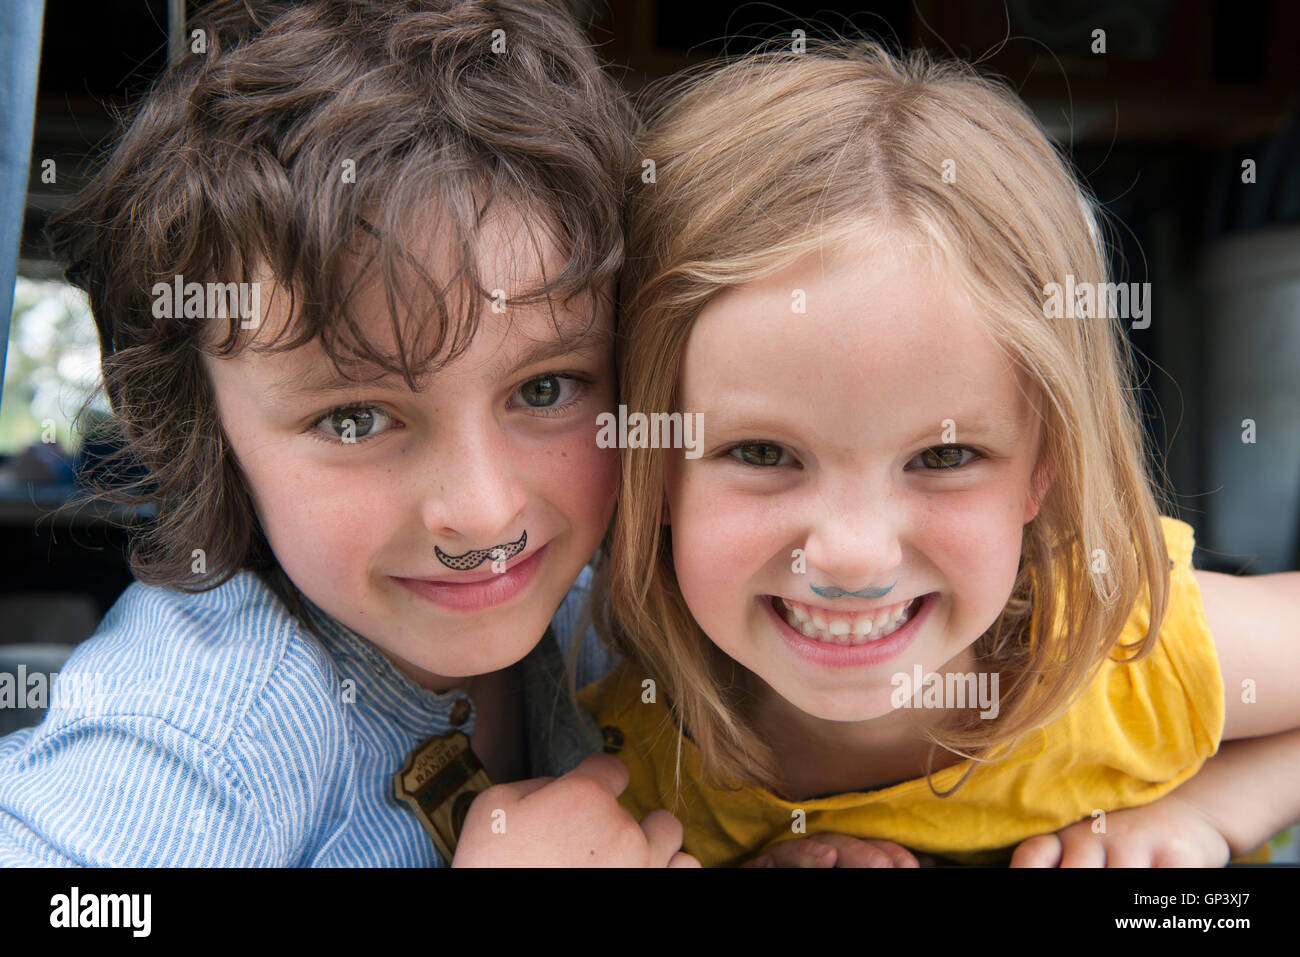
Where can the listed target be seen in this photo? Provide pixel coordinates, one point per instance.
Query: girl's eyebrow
(993, 423)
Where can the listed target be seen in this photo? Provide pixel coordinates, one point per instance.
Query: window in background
(52, 367)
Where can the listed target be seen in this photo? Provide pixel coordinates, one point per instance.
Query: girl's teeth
(840, 631)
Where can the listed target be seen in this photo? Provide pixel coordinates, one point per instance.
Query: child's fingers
(795, 852)
(1130, 853)
(1042, 850)
(1082, 848)
(832, 849)
(682, 859)
(519, 789)
(1174, 856)
(664, 832)
(898, 855)
(859, 852)
(606, 770)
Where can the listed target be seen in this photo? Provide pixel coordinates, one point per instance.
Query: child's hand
(1170, 832)
(837, 850)
(570, 821)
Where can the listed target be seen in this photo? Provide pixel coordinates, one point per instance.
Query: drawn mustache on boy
(830, 591)
(477, 556)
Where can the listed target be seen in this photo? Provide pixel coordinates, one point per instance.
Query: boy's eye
(351, 423)
(759, 453)
(942, 457)
(548, 394)
(541, 392)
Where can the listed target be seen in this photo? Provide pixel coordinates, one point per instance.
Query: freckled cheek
(720, 542)
(581, 478)
(322, 524)
(976, 552)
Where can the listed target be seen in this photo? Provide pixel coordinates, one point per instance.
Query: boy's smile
(496, 448)
(482, 589)
(827, 473)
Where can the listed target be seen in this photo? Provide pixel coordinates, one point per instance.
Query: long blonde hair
(760, 160)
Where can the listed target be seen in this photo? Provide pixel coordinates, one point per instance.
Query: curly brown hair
(232, 166)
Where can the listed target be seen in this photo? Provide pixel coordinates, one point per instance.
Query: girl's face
(498, 444)
(871, 450)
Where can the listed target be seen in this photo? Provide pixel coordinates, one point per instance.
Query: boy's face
(497, 445)
(820, 429)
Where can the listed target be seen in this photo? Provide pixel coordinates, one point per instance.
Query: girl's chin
(847, 713)
(850, 707)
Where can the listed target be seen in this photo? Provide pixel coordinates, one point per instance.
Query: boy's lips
(477, 590)
(485, 574)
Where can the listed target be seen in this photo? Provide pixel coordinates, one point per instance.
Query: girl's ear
(1044, 477)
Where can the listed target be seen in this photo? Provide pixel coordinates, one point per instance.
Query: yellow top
(1136, 732)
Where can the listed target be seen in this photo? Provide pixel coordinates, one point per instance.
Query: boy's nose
(475, 498)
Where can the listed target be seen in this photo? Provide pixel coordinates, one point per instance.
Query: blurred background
(1182, 120)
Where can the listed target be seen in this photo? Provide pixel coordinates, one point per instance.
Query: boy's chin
(434, 672)
(489, 649)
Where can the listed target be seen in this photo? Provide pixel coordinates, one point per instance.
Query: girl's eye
(549, 394)
(946, 457)
(759, 453)
(350, 423)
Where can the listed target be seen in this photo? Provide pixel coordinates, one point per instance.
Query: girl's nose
(855, 544)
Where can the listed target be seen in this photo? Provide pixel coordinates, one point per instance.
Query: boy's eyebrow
(579, 340)
(320, 380)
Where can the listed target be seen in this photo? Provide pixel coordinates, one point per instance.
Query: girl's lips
(485, 592)
(849, 656)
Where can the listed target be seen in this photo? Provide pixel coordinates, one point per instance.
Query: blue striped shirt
(213, 729)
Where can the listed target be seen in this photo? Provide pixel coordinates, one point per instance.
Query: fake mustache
(477, 556)
(830, 591)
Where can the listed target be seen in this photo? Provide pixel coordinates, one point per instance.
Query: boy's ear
(1040, 485)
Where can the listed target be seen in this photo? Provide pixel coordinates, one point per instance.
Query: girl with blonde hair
(916, 584)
